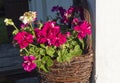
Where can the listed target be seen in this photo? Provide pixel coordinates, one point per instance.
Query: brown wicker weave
(77, 71)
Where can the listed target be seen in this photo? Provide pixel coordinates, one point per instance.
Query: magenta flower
(50, 34)
(71, 10)
(59, 40)
(77, 28)
(83, 29)
(23, 39)
(75, 21)
(41, 37)
(81, 35)
(53, 34)
(29, 64)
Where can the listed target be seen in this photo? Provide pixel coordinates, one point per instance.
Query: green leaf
(47, 60)
(50, 51)
(44, 68)
(38, 62)
(59, 58)
(15, 32)
(41, 65)
(63, 55)
(42, 45)
(77, 50)
(82, 42)
(42, 51)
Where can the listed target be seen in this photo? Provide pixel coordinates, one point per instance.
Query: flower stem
(15, 27)
(32, 45)
(32, 30)
(26, 50)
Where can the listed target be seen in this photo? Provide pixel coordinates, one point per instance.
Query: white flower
(28, 17)
(8, 21)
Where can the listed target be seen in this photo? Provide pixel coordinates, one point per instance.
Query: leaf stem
(32, 45)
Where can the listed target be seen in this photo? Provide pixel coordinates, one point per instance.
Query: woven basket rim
(63, 72)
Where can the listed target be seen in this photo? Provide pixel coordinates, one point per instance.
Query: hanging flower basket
(60, 48)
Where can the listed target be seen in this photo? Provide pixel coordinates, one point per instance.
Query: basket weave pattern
(77, 71)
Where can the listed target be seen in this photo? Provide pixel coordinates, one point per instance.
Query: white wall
(108, 41)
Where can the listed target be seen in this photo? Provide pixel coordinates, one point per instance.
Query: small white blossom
(28, 17)
(8, 21)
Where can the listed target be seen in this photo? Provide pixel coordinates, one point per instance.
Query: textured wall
(108, 41)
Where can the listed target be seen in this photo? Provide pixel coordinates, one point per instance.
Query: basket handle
(89, 37)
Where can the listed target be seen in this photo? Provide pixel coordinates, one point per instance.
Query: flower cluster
(50, 34)
(29, 64)
(23, 38)
(40, 46)
(66, 15)
(83, 29)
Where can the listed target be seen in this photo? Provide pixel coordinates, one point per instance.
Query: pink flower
(59, 40)
(23, 26)
(50, 34)
(81, 35)
(23, 39)
(75, 21)
(41, 37)
(83, 29)
(29, 64)
(68, 34)
(77, 28)
(53, 34)
(71, 9)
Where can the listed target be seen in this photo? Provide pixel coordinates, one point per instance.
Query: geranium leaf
(44, 68)
(15, 32)
(77, 50)
(42, 45)
(63, 56)
(50, 51)
(47, 60)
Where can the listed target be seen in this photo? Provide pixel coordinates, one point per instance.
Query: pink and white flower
(29, 63)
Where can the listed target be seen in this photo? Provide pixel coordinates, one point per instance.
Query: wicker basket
(77, 71)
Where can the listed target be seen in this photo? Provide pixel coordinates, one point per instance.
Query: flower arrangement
(60, 39)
